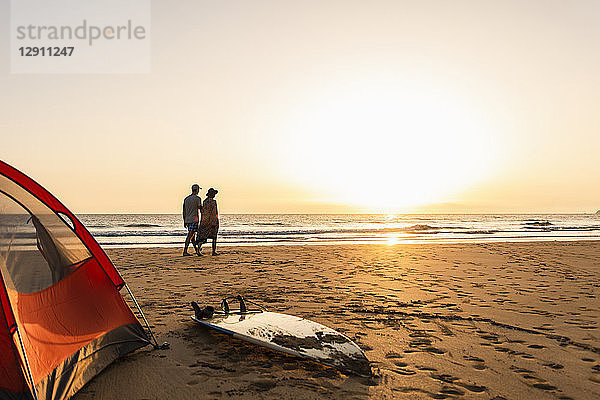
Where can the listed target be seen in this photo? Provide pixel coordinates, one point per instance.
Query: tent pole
(143, 316)
(26, 364)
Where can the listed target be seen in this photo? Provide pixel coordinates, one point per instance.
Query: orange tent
(62, 316)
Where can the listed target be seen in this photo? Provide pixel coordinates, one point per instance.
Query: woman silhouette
(209, 221)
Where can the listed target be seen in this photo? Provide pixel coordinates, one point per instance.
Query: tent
(62, 316)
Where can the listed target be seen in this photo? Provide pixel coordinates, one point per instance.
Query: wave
(537, 223)
(141, 226)
(563, 228)
(414, 229)
(421, 227)
(298, 233)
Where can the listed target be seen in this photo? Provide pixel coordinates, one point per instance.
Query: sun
(387, 148)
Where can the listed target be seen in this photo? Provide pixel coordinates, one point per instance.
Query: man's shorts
(191, 226)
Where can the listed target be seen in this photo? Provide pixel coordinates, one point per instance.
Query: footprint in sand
(536, 346)
(425, 368)
(422, 342)
(404, 371)
(544, 386)
(520, 370)
(456, 381)
(554, 366)
(452, 391)
(489, 336)
(478, 363)
(393, 355)
(539, 382)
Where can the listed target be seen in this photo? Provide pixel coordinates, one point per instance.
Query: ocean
(128, 230)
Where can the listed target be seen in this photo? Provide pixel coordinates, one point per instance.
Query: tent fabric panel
(15, 396)
(77, 370)
(12, 381)
(53, 203)
(11, 376)
(60, 320)
(7, 313)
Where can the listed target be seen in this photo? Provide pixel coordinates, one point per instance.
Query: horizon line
(358, 213)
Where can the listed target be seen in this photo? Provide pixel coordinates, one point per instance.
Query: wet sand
(481, 321)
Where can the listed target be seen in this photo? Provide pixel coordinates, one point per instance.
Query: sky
(325, 107)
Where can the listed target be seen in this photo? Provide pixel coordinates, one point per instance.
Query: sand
(481, 321)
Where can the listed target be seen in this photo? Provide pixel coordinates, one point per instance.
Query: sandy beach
(482, 321)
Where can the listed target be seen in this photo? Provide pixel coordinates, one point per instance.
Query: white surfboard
(293, 335)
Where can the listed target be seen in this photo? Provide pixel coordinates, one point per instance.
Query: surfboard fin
(243, 308)
(225, 306)
(205, 313)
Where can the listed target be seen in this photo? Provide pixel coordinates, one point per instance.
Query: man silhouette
(191, 205)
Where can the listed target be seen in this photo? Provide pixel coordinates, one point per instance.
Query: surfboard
(292, 335)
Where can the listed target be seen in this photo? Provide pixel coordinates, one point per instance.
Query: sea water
(135, 230)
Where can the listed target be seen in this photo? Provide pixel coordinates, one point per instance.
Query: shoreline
(357, 242)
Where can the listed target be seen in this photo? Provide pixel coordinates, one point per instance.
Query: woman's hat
(212, 191)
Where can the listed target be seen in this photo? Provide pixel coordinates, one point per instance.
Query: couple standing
(204, 227)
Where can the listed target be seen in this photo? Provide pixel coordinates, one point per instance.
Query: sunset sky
(326, 106)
